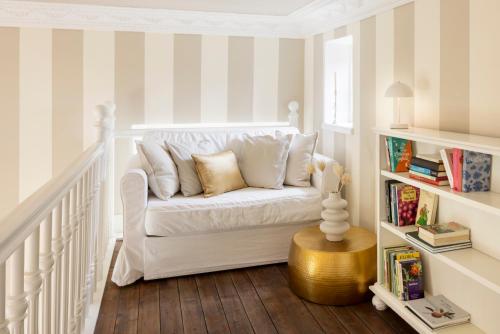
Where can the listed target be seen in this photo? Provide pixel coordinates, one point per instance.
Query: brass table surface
(333, 273)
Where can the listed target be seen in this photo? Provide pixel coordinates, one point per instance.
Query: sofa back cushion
(262, 159)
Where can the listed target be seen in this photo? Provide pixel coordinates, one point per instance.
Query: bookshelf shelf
(470, 262)
(486, 201)
(399, 307)
(477, 269)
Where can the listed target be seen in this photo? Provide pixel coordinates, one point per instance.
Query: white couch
(187, 235)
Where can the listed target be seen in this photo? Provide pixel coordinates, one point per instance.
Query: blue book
(476, 171)
(426, 171)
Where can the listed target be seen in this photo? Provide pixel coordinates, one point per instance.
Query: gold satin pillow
(218, 173)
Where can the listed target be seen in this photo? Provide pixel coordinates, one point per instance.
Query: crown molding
(317, 17)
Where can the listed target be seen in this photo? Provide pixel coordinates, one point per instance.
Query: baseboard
(93, 310)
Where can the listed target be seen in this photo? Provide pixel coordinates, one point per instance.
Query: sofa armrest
(327, 180)
(134, 194)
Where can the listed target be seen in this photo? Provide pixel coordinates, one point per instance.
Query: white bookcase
(471, 277)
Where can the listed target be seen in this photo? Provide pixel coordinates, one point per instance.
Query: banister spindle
(57, 247)
(3, 320)
(74, 257)
(46, 265)
(33, 279)
(65, 268)
(79, 257)
(16, 301)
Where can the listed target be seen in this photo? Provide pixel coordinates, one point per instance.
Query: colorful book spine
(447, 157)
(457, 169)
(476, 171)
(426, 171)
(430, 177)
(438, 167)
(429, 181)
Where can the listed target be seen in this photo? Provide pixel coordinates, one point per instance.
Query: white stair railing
(53, 244)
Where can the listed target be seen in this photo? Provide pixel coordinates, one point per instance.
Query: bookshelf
(469, 277)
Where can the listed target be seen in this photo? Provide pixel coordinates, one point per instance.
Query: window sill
(346, 129)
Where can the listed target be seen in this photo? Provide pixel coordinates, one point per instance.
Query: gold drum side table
(332, 273)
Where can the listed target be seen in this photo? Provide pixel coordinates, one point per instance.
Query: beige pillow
(299, 157)
(181, 153)
(218, 173)
(262, 159)
(160, 168)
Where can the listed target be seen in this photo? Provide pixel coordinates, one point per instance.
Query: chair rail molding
(317, 17)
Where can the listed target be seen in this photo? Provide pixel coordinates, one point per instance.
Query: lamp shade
(398, 89)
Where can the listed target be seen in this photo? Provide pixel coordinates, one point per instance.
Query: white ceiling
(267, 18)
(256, 7)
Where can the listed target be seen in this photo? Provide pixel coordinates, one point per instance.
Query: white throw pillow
(181, 153)
(300, 155)
(160, 168)
(262, 160)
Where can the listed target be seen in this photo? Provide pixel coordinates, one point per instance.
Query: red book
(407, 205)
(458, 160)
(429, 181)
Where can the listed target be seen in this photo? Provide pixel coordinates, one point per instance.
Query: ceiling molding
(317, 17)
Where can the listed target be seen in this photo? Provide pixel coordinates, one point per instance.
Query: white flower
(338, 169)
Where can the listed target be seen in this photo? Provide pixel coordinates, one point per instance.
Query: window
(338, 86)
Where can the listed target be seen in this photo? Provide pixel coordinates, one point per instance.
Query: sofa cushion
(218, 172)
(240, 209)
(160, 168)
(299, 157)
(181, 153)
(262, 159)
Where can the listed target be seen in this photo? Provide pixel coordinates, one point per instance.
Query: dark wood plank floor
(253, 300)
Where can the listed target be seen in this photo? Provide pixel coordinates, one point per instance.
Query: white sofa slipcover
(187, 235)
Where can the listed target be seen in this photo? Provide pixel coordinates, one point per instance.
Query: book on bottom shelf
(403, 272)
(438, 312)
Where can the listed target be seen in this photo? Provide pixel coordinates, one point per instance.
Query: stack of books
(466, 170)
(438, 238)
(438, 312)
(403, 272)
(429, 168)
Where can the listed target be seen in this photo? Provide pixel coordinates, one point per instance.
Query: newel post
(293, 115)
(104, 202)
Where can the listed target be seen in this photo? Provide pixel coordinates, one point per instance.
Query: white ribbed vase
(334, 224)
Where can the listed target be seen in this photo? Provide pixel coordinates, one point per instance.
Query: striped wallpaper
(448, 51)
(52, 79)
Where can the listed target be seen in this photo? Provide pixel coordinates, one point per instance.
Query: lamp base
(399, 126)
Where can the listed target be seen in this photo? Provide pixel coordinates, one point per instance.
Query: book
(415, 240)
(430, 177)
(435, 166)
(438, 312)
(394, 257)
(431, 157)
(447, 156)
(476, 171)
(457, 169)
(387, 155)
(427, 171)
(410, 278)
(400, 152)
(387, 266)
(388, 201)
(394, 201)
(444, 230)
(426, 180)
(427, 207)
(444, 241)
(407, 205)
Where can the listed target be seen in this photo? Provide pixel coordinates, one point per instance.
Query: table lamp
(398, 90)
